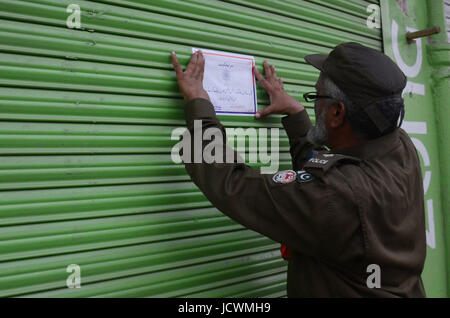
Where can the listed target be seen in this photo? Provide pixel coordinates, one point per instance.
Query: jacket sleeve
(297, 127)
(297, 213)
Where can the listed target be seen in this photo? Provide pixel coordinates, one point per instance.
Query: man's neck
(345, 139)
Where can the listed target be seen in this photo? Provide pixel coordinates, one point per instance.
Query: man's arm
(294, 211)
(300, 213)
(296, 123)
(297, 127)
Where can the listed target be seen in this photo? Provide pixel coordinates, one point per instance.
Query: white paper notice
(230, 83)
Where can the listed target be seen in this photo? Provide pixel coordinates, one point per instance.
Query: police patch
(303, 176)
(286, 176)
(319, 161)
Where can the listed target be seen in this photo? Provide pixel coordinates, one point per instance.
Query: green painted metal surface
(86, 117)
(425, 63)
(439, 55)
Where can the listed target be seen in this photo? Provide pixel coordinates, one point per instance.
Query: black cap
(365, 75)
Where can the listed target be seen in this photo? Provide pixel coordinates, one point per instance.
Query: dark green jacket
(356, 207)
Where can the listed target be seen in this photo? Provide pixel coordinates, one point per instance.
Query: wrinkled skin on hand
(280, 101)
(190, 81)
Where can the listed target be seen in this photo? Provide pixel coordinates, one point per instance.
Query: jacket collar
(373, 148)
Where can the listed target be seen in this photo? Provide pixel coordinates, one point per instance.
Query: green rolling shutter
(86, 175)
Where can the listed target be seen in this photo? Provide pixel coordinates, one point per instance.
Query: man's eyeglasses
(312, 96)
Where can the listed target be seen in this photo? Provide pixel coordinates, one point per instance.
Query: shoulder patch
(303, 176)
(322, 162)
(286, 176)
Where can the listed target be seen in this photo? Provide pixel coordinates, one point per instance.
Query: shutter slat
(86, 118)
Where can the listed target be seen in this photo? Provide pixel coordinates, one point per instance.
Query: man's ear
(336, 114)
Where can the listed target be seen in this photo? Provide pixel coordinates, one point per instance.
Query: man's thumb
(263, 113)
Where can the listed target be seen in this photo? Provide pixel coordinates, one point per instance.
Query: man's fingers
(267, 70)
(272, 70)
(192, 63)
(280, 82)
(176, 64)
(200, 67)
(202, 64)
(261, 79)
(258, 75)
(262, 113)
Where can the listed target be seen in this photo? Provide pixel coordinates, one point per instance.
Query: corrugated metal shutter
(86, 115)
(447, 17)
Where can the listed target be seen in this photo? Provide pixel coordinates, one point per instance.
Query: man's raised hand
(280, 101)
(191, 80)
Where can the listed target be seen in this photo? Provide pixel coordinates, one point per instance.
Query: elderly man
(341, 214)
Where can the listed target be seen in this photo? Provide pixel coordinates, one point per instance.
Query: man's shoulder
(323, 162)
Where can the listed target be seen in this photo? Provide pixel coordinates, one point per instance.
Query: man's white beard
(318, 135)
